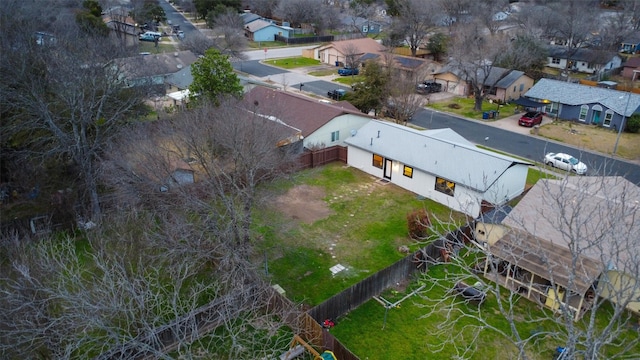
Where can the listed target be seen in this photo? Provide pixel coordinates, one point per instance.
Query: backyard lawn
(334, 215)
(337, 215)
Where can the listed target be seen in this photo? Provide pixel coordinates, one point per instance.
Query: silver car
(565, 162)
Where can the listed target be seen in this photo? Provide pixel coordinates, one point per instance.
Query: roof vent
(175, 54)
(179, 66)
(354, 132)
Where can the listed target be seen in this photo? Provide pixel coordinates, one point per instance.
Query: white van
(151, 33)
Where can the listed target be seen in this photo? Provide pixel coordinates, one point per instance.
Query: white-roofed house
(587, 104)
(438, 164)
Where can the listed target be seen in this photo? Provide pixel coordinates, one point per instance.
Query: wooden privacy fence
(361, 292)
(315, 158)
(303, 40)
(191, 326)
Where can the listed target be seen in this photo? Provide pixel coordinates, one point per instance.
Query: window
(377, 161)
(335, 136)
(555, 61)
(584, 109)
(608, 115)
(521, 87)
(408, 171)
(445, 186)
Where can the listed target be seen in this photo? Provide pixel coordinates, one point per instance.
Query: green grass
(265, 44)
(294, 62)
(407, 333)
(348, 80)
(367, 225)
(465, 107)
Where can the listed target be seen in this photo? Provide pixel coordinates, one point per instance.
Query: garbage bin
(485, 115)
(536, 129)
(337, 63)
(493, 114)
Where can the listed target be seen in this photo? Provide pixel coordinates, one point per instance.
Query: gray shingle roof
(581, 54)
(441, 152)
(575, 94)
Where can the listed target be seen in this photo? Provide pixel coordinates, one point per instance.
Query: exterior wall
(595, 115)
(464, 200)
(343, 123)
(613, 284)
(489, 233)
(513, 92)
(631, 73)
(508, 186)
(452, 84)
(561, 65)
(330, 55)
(267, 33)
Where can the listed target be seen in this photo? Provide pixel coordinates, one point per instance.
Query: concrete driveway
(510, 123)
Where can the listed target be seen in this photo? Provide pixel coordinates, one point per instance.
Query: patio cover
(547, 260)
(528, 103)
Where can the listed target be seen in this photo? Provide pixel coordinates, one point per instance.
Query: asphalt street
(525, 146)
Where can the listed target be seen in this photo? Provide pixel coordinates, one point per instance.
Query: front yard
(590, 137)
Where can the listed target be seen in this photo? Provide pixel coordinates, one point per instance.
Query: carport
(537, 269)
(528, 103)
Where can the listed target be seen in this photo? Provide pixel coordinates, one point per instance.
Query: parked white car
(565, 162)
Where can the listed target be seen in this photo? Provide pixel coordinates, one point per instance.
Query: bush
(633, 125)
(454, 106)
(418, 223)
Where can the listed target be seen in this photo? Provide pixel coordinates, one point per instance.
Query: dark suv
(428, 87)
(530, 119)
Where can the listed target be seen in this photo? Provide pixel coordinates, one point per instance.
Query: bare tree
(71, 97)
(474, 55)
(229, 28)
(401, 101)
(570, 26)
(315, 13)
(556, 250)
(485, 12)
(415, 20)
(232, 148)
(351, 56)
(126, 292)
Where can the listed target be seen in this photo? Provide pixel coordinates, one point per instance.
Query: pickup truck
(348, 71)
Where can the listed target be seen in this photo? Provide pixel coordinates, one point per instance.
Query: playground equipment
(298, 346)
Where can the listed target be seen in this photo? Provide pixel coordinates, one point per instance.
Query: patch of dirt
(304, 203)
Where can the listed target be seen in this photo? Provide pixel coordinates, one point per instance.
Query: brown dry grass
(590, 137)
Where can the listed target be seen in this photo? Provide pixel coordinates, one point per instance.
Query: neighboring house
(506, 85)
(337, 51)
(265, 30)
(452, 81)
(587, 104)
(365, 26)
(583, 219)
(437, 164)
(153, 69)
(414, 67)
(248, 17)
(501, 84)
(631, 43)
(631, 69)
(582, 59)
(320, 124)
